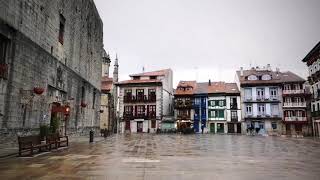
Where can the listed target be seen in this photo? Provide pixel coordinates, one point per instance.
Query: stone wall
(70, 72)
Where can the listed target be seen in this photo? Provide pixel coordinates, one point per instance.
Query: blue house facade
(200, 107)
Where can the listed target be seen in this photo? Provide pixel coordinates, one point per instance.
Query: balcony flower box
(38, 90)
(83, 104)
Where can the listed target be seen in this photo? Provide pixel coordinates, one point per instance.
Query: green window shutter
(221, 114)
(217, 103)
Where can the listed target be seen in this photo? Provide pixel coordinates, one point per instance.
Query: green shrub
(54, 124)
(44, 131)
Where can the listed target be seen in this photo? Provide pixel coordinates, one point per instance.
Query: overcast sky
(202, 39)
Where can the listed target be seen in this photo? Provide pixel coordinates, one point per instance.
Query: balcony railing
(181, 104)
(295, 118)
(315, 114)
(152, 114)
(295, 104)
(136, 99)
(296, 91)
(3, 71)
(234, 106)
(234, 118)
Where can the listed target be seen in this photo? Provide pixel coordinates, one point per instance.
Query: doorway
(220, 127)
(238, 128)
(212, 128)
(230, 128)
(140, 127)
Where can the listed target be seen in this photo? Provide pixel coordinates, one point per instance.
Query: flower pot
(38, 90)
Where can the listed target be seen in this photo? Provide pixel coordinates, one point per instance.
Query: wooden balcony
(139, 99)
(183, 105)
(3, 71)
(294, 104)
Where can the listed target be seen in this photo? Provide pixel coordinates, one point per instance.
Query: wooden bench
(57, 140)
(30, 144)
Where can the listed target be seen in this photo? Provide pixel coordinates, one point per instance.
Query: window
(128, 92)
(274, 125)
(94, 98)
(152, 93)
(274, 109)
(273, 93)
(266, 77)
(220, 113)
(261, 109)
(152, 108)
(260, 93)
(249, 109)
(83, 93)
(3, 49)
(222, 102)
(140, 92)
(234, 115)
(261, 125)
(128, 109)
(252, 77)
(153, 77)
(61, 28)
(136, 77)
(140, 110)
(248, 93)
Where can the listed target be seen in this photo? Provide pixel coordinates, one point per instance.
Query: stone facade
(57, 46)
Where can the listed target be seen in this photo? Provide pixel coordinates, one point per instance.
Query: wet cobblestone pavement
(147, 156)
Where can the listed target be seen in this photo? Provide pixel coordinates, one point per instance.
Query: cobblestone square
(150, 156)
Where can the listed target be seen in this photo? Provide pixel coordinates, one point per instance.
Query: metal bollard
(91, 136)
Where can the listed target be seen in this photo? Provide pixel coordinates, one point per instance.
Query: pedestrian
(202, 127)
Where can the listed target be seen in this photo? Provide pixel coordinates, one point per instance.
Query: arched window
(252, 78)
(266, 77)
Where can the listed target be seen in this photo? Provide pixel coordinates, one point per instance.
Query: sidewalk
(12, 148)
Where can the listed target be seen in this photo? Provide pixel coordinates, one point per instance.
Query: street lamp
(66, 115)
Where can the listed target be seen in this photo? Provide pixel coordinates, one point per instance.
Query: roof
(222, 87)
(106, 84)
(152, 73)
(313, 51)
(189, 86)
(276, 77)
(139, 81)
(202, 88)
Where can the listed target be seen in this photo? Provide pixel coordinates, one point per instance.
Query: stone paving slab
(148, 156)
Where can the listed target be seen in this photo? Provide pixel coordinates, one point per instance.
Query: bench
(30, 144)
(57, 140)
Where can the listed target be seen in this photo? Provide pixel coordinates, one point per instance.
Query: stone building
(145, 100)
(108, 95)
(312, 60)
(55, 47)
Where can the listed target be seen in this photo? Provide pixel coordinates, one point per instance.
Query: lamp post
(66, 115)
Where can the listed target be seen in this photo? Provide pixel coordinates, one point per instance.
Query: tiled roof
(202, 88)
(153, 73)
(139, 81)
(313, 51)
(189, 85)
(106, 84)
(276, 77)
(222, 87)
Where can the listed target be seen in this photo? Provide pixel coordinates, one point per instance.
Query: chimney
(209, 82)
(241, 71)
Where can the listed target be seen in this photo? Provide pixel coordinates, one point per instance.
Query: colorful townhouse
(312, 60)
(183, 104)
(144, 100)
(200, 106)
(296, 105)
(224, 114)
(273, 102)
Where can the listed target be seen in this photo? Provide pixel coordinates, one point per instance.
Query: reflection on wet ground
(148, 156)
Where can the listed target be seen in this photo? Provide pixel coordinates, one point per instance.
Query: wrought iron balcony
(234, 106)
(234, 118)
(137, 99)
(295, 118)
(152, 114)
(295, 91)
